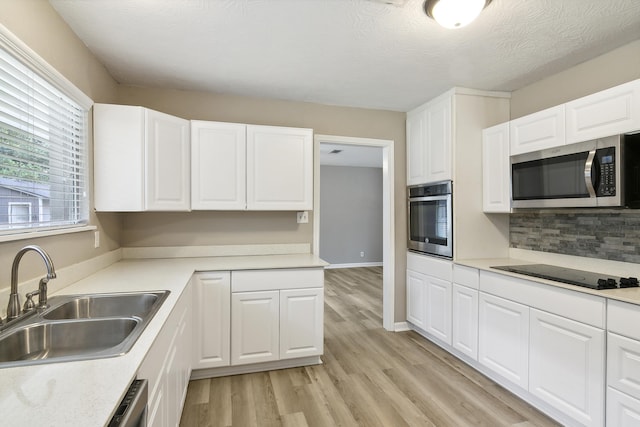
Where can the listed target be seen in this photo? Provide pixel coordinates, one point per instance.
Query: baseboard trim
(355, 265)
(401, 327)
(200, 374)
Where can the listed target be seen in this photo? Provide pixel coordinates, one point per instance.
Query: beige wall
(38, 25)
(611, 69)
(219, 228)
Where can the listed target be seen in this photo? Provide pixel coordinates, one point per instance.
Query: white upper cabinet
(279, 168)
(609, 112)
(496, 176)
(537, 131)
(429, 141)
(141, 160)
(218, 166)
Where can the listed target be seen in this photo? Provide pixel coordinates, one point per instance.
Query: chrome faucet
(13, 309)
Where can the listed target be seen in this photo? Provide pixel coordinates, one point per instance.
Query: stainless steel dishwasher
(132, 411)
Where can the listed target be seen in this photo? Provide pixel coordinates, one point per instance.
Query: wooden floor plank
(369, 377)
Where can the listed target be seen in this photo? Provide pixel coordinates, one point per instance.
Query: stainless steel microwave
(430, 219)
(599, 173)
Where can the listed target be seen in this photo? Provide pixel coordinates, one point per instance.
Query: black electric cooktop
(586, 279)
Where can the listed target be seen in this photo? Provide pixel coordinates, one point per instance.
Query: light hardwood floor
(370, 377)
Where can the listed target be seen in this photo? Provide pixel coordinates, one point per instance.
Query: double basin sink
(79, 327)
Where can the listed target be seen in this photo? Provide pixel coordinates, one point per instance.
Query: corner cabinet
(245, 167)
(496, 170)
(141, 160)
(429, 141)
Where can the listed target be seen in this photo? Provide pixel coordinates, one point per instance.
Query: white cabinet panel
(438, 133)
(301, 322)
(212, 319)
(141, 160)
(416, 298)
(465, 320)
(416, 146)
(496, 169)
(622, 409)
(254, 327)
(609, 112)
(438, 316)
(504, 338)
(623, 364)
(466, 276)
(218, 166)
(279, 168)
(566, 366)
(537, 131)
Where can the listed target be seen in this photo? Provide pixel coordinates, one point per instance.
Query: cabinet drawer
(467, 276)
(265, 280)
(574, 305)
(623, 364)
(442, 269)
(623, 319)
(622, 410)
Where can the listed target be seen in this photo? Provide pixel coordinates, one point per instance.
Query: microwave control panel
(606, 158)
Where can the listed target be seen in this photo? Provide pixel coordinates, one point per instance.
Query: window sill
(23, 235)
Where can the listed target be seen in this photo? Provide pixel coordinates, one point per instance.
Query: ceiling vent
(335, 151)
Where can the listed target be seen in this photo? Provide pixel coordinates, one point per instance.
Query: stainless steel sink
(79, 327)
(108, 305)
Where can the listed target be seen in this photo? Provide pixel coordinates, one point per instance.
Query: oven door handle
(588, 173)
(429, 198)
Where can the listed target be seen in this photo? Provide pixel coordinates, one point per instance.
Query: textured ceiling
(360, 53)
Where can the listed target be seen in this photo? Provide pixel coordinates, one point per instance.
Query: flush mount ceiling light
(454, 13)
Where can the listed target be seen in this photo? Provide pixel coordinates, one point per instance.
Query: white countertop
(85, 393)
(631, 295)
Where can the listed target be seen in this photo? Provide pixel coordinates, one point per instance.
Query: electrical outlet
(96, 239)
(303, 217)
(361, 254)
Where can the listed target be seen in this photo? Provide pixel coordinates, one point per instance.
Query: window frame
(23, 53)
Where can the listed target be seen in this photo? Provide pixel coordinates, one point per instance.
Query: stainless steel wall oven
(430, 219)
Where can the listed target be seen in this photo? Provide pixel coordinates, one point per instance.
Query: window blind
(43, 166)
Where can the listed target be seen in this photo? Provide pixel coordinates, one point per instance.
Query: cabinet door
(168, 160)
(496, 169)
(218, 166)
(279, 168)
(622, 409)
(566, 366)
(438, 314)
(438, 133)
(503, 338)
(416, 302)
(623, 364)
(416, 147)
(610, 112)
(537, 131)
(301, 322)
(254, 327)
(212, 315)
(465, 320)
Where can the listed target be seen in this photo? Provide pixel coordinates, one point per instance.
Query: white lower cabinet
(622, 409)
(301, 322)
(167, 366)
(416, 294)
(566, 366)
(438, 308)
(212, 319)
(255, 327)
(504, 338)
(464, 334)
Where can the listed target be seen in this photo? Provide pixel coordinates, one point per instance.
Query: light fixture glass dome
(454, 13)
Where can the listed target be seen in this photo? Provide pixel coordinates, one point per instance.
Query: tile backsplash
(605, 234)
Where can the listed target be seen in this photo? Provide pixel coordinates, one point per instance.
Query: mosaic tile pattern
(604, 234)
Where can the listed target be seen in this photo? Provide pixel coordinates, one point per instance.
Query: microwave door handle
(588, 173)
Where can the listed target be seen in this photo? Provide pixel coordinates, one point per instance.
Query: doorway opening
(388, 235)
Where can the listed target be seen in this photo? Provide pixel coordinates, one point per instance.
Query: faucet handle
(29, 304)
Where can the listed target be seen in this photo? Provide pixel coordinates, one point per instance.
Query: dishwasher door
(132, 411)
